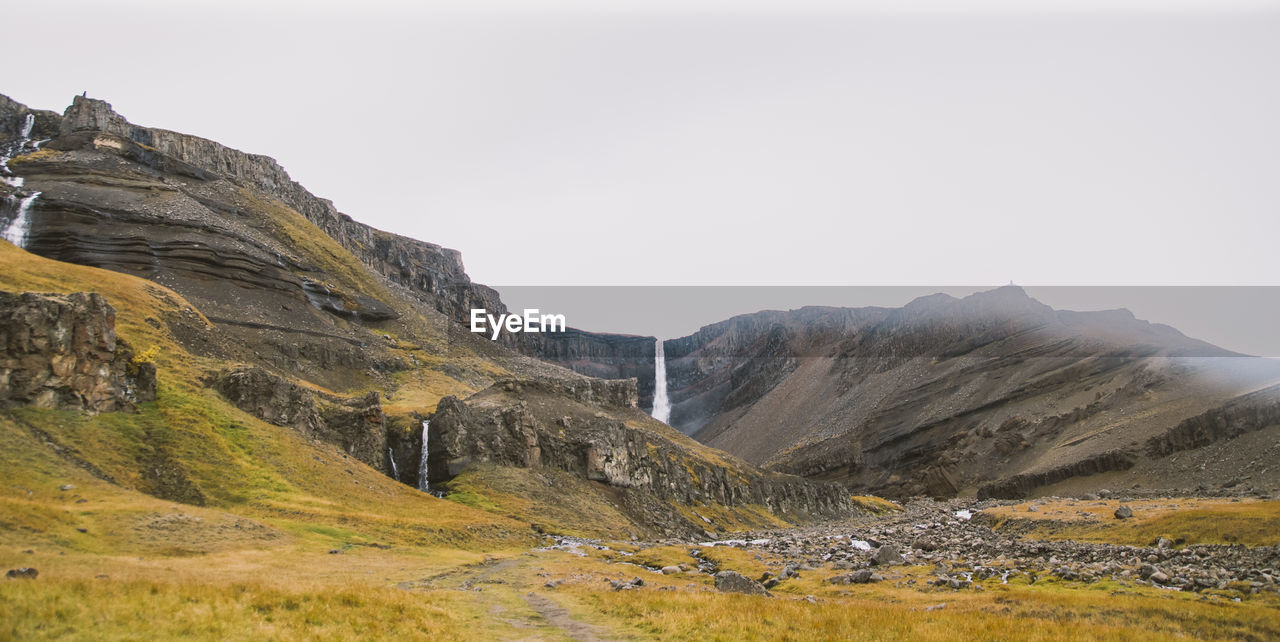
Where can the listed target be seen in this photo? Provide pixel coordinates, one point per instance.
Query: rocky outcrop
(13, 116)
(534, 426)
(1021, 485)
(356, 425)
(61, 351)
(1246, 414)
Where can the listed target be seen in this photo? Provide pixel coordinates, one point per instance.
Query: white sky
(717, 142)
(957, 142)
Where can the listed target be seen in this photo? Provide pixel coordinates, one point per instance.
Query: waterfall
(19, 224)
(423, 485)
(16, 231)
(661, 405)
(395, 472)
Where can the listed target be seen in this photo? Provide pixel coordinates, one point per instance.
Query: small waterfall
(423, 485)
(18, 206)
(16, 231)
(661, 404)
(395, 472)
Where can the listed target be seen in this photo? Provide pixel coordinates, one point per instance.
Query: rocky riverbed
(956, 540)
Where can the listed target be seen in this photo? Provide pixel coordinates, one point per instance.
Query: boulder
(887, 555)
(733, 582)
(1124, 512)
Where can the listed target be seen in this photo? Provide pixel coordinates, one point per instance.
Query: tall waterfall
(395, 472)
(661, 404)
(423, 485)
(18, 208)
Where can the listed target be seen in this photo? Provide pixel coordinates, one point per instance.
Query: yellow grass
(1183, 520)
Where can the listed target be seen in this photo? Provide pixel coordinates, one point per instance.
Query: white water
(395, 472)
(734, 542)
(661, 404)
(965, 514)
(423, 485)
(16, 231)
(20, 224)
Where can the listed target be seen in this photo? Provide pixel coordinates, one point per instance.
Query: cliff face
(995, 391)
(433, 273)
(527, 424)
(604, 356)
(243, 243)
(61, 351)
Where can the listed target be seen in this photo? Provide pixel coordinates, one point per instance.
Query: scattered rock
(66, 487)
(635, 583)
(670, 570)
(1124, 512)
(24, 573)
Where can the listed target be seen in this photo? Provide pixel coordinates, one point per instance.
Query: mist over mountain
(946, 396)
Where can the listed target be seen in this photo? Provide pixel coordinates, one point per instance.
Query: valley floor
(978, 578)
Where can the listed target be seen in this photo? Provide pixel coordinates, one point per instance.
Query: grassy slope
(274, 505)
(1184, 521)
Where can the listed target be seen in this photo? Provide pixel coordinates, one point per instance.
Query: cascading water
(17, 207)
(661, 404)
(395, 472)
(16, 231)
(423, 485)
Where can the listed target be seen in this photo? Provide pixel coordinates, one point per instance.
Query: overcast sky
(710, 142)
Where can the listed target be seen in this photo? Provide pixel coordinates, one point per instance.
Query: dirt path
(559, 617)
(499, 583)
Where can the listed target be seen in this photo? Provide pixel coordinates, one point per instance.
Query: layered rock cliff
(647, 467)
(433, 273)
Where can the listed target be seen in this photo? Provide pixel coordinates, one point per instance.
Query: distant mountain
(995, 393)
